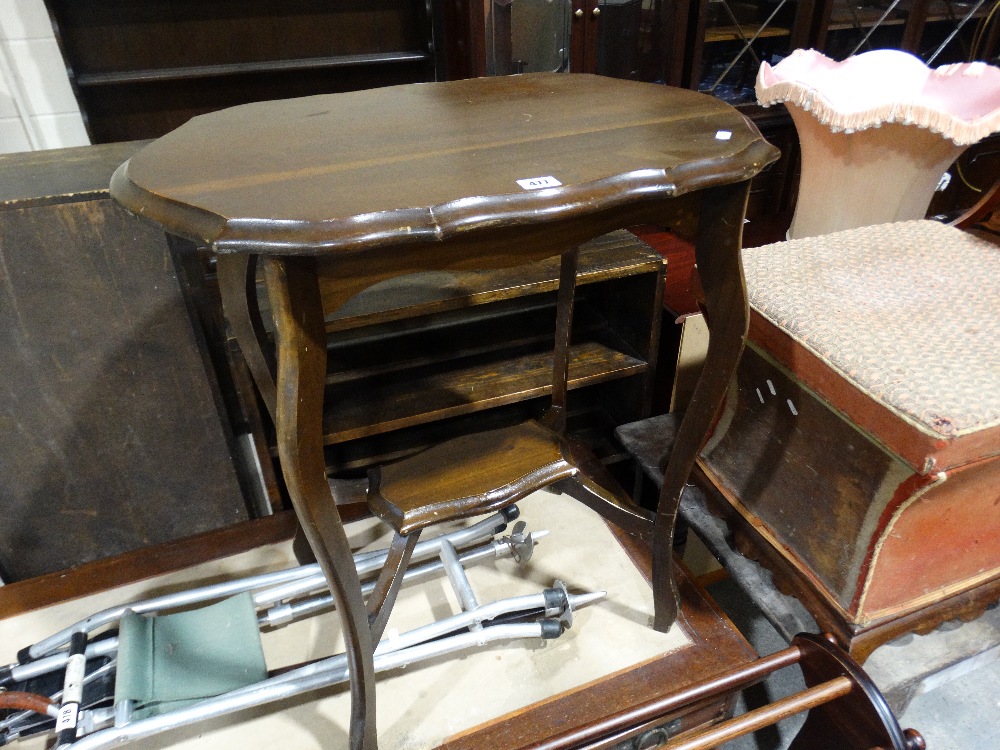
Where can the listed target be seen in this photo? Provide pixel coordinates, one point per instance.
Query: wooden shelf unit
(140, 70)
(429, 356)
(230, 69)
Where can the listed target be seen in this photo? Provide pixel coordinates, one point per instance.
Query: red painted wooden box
(860, 447)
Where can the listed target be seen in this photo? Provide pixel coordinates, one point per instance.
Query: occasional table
(337, 193)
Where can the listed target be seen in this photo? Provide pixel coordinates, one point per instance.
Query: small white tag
(67, 717)
(723, 135)
(537, 183)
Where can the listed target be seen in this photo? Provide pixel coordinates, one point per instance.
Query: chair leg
(387, 586)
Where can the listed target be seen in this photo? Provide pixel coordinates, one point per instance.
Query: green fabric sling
(170, 661)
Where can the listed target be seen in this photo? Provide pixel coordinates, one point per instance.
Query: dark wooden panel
(463, 28)
(60, 175)
(815, 480)
(112, 438)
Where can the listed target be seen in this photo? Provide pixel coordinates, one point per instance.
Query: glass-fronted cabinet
(528, 36)
(632, 39)
(960, 32)
(715, 46)
(855, 26)
(937, 31)
(733, 37)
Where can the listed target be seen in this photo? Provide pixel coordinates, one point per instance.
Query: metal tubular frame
(527, 616)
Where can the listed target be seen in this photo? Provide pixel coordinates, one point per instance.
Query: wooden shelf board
(401, 402)
(732, 33)
(611, 256)
(266, 66)
(941, 17)
(841, 24)
(380, 354)
(357, 455)
(586, 421)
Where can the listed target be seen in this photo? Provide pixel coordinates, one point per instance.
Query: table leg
(301, 345)
(720, 268)
(238, 289)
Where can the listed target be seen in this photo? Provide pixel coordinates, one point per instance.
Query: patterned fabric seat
(897, 326)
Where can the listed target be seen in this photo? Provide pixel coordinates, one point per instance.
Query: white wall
(37, 106)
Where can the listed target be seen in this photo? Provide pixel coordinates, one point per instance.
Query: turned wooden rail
(846, 709)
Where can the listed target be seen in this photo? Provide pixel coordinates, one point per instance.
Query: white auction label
(536, 183)
(67, 716)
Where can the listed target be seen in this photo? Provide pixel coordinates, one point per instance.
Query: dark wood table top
(425, 162)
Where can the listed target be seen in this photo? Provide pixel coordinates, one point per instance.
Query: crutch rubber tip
(6, 676)
(510, 513)
(24, 655)
(555, 601)
(551, 628)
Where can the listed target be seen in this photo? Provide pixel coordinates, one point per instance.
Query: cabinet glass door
(528, 36)
(733, 37)
(857, 26)
(937, 31)
(960, 32)
(632, 41)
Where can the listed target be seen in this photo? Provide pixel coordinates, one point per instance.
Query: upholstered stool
(859, 450)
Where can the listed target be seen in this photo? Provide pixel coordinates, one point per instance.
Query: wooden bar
(142, 564)
(723, 685)
(764, 717)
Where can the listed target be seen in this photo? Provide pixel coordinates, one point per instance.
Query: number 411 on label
(536, 183)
